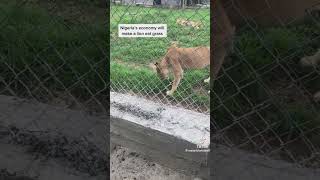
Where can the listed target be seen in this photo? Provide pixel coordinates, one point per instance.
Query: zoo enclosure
(131, 57)
(264, 98)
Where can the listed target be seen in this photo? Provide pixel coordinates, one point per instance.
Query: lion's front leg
(178, 74)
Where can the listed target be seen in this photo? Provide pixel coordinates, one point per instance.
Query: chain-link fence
(266, 96)
(170, 70)
(53, 89)
(53, 79)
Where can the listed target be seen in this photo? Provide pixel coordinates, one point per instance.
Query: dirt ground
(40, 141)
(30, 156)
(127, 164)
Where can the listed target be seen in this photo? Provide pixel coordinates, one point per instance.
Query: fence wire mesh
(266, 96)
(133, 68)
(53, 82)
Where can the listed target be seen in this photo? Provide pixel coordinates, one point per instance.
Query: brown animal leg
(223, 32)
(178, 74)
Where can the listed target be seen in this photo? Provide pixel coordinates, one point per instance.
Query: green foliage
(281, 40)
(90, 2)
(259, 49)
(262, 49)
(296, 119)
(46, 52)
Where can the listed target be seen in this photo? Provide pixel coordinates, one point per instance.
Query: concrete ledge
(166, 148)
(181, 123)
(160, 147)
(162, 133)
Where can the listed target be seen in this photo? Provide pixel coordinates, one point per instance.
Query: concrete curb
(162, 133)
(160, 147)
(181, 123)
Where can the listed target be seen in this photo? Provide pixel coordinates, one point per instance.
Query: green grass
(139, 52)
(258, 67)
(45, 54)
(145, 50)
(142, 80)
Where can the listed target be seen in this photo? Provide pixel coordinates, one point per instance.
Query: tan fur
(180, 59)
(223, 32)
(222, 35)
(184, 22)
